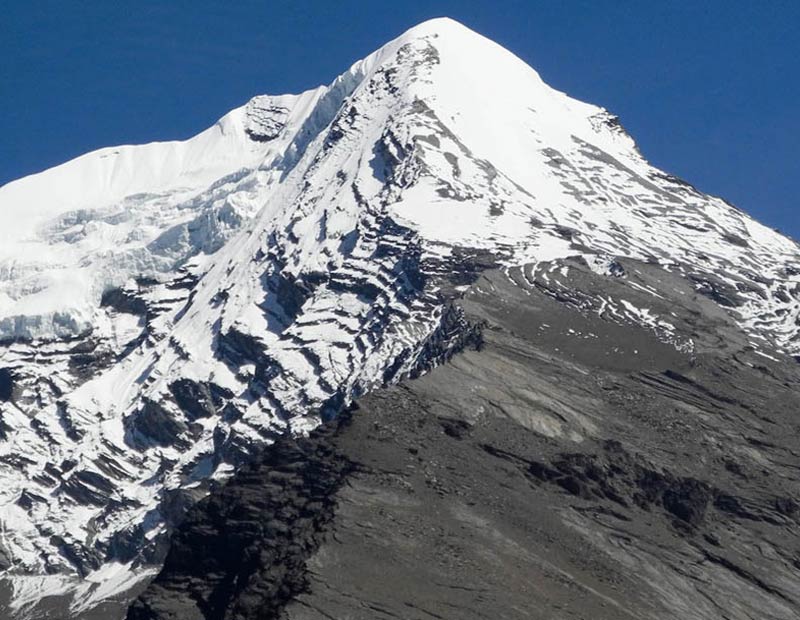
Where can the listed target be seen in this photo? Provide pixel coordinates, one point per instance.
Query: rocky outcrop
(6, 384)
(242, 552)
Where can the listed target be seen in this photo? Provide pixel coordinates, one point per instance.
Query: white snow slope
(164, 308)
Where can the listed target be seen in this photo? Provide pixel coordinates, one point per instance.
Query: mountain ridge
(208, 321)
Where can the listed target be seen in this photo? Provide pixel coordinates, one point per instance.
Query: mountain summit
(168, 310)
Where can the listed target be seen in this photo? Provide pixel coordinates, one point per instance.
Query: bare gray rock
(544, 473)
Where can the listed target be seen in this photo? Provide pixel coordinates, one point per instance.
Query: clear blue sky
(710, 90)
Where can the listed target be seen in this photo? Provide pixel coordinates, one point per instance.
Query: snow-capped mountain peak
(168, 308)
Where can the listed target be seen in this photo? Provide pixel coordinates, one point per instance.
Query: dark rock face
(6, 384)
(535, 474)
(153, 424)
(622, 478)
(197, 400)
(123, 300)
(242, 552)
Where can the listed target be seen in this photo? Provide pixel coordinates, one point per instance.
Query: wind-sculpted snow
(169, 308)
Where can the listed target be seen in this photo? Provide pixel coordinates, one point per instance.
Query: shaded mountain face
(169, 311)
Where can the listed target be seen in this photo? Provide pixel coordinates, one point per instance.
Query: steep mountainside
(562, 466)
(167, 311)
